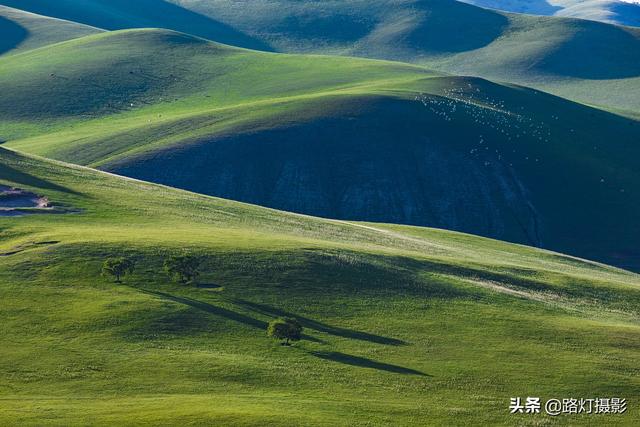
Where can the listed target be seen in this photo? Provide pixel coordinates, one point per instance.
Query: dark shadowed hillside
(353, 165)
(455, 166)
(336, 137)
(21, 30)
(121, 14)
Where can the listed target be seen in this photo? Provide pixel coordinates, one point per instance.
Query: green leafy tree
(183, 268)
(117, 267)
(286, 329)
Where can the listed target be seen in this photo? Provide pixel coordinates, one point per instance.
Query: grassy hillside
(142, 71)
(586, 61)
(403, 325)
(498, 161)
(22, 30)
(122, 14)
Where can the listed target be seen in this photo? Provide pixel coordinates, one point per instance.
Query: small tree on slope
(286, 329)
(117, 267)
(183, 268)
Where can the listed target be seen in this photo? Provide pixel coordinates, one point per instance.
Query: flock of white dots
(470, 103)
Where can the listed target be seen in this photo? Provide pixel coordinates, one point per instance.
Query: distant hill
(122, 14)
(21, 30)
(621, 12)
(331, 136)
(586, 61)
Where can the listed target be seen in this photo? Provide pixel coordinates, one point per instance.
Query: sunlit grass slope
(145, 73)
(21, 30)
(336, 137)
(404, 326)
(583, 60)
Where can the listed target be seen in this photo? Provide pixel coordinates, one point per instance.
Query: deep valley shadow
(451, 27)
(596, 51)
(11, 35)
(122, 14)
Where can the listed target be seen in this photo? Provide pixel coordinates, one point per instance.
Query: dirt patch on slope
(15, 201)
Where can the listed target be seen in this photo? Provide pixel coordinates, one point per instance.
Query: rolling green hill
(122, 14)
(22, 30)
(494, 160)
(587, 61)
(403, 325)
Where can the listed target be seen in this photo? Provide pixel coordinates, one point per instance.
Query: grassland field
(403, 324)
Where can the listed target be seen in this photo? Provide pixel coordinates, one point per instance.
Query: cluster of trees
(183, 268)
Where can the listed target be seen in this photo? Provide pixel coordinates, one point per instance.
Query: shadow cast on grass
(123, 14)
(22, 178)
(12, 35)
(321, 327)
(218, 311)
(209, 308)
(363, 362)
(208, 286)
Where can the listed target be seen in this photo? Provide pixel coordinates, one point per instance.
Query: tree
(183, 268)
(117, 267)
(286, 329)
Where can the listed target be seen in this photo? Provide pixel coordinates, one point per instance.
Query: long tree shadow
(363, 362)
(218, 311)
(319, 326)
(209, 308)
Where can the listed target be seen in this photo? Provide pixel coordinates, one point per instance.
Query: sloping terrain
(21, 30)
(391, 314)
(319, 135)
(621, 12)
(586, 61)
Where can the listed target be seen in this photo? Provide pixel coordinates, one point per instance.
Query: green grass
(142, 74)
(586, 61)
(404, 325)
(170, 108)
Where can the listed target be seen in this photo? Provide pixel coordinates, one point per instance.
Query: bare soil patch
(15, 202)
